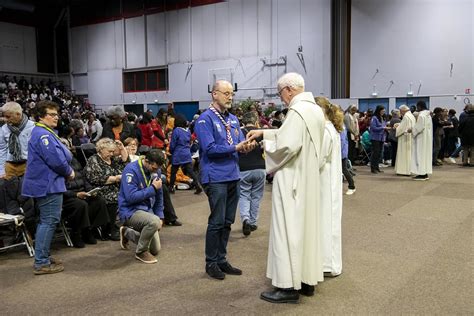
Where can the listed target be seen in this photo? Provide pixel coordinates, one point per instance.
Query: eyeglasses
(279, 91)
(227, 94)
(53, 114)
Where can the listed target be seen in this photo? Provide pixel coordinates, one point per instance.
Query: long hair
(332, 112)
(379, 109)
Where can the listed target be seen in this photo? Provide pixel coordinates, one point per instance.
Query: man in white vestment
(403, 162)
(292, 153)
(422, 152)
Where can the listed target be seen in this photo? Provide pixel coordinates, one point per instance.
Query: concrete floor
(407, 248)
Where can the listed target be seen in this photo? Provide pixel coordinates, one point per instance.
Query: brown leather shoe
(50, 269)
(146, 257)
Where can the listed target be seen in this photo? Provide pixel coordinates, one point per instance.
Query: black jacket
(466, 130)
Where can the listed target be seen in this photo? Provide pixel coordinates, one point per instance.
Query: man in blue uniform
(141, 205)
(220, 140)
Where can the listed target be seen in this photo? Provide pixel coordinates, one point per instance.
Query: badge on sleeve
(129, 177)
(45, 140)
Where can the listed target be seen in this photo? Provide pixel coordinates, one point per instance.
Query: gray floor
(407, 248)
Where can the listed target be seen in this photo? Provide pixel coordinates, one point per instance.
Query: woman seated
(84, 212)
(131, 145)
(104, 169)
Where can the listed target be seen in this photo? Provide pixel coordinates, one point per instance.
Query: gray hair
(115, 110)
(105, 143)
(396, 112)
(250, 118)
(291, 80)
(404, 107)
(12, 107)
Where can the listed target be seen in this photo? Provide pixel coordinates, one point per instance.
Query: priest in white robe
(422, 152)
(330, 171)
(292, 153)
(403, 162)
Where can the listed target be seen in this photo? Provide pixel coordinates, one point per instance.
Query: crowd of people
(113, 177)
(412, 140)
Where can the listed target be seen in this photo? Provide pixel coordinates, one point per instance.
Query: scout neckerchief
(147, 181)
(226, 124)
(48, 129)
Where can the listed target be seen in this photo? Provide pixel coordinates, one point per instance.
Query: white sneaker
(382, 165)
(452, 160)
(350, 191)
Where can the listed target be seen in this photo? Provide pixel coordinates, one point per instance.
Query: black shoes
(246, 229)
(198, 190)
(173, 223)
(281, 296)
(306, 290)
(214, 271)
(253, 227)
(228, 269)
(88, 237)
(77, 240)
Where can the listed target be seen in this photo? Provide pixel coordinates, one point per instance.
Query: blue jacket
(135, 194)
(180, 146)
(24, 137)
(219, 161)
(377, 131)
(344, 144)
(47, 165)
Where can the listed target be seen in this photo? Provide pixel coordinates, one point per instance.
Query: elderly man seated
(141, 205)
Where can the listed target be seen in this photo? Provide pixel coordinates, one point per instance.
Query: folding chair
(12, 214)
(17, 221)
(65, 233)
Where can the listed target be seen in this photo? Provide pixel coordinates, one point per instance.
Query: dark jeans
(376, 154)
(187, 169)
(223, 198)
(347, 174)
(393, 156)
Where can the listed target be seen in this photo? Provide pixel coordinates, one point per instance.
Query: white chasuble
(403, 162)
(292, 154)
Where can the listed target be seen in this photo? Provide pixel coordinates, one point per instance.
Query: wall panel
(135, 42)
(156, 37)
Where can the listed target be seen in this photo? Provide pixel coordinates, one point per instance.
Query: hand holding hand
(254, 134)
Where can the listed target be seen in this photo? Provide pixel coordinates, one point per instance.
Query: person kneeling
(141, 205)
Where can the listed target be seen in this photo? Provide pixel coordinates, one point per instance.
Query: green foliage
(269, 110)
(245, 104)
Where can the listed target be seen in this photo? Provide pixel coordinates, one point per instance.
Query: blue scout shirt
(137, 194)
(180, 146)
(219, 161)
(47, 165)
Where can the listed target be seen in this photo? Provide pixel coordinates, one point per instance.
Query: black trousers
(169, 212)
(188, 170)
(376, 154)
(393, 148)
(352, 153)
(81, 214)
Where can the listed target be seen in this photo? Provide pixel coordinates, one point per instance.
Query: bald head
(222, 95)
